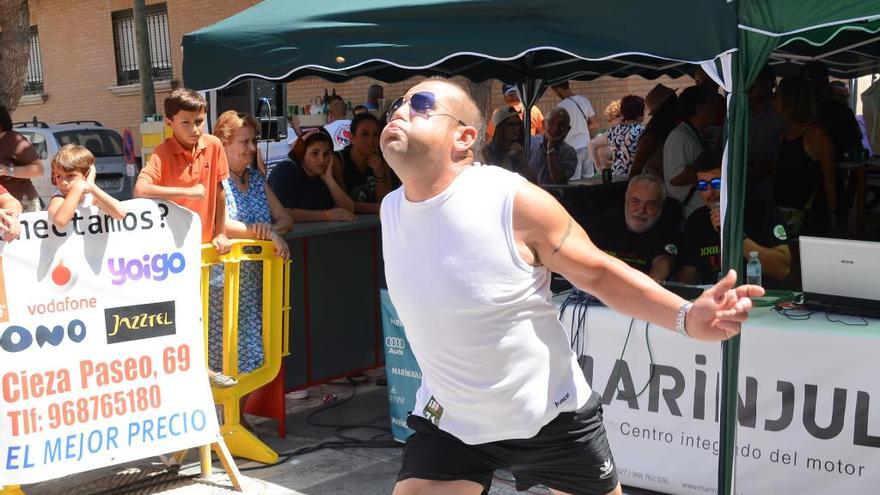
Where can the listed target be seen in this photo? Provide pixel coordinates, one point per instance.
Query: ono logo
(156, 267)
(395, 345)
(17, 338)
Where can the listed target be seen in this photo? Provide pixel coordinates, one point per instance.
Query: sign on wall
(101, 342)
(806, 424)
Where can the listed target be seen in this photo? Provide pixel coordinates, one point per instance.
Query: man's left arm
(661, 267)
(543, 226)
(667, 249)
(28, 161)
(775, 261)
(770, 241)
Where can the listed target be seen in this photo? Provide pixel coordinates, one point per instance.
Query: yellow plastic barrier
(11, 490)
(152, 135)
(276, 277)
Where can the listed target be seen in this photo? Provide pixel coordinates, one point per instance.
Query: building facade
(84, 66)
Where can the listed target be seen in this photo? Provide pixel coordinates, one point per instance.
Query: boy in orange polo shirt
(188, 167)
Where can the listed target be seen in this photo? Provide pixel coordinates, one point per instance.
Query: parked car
(106, 144)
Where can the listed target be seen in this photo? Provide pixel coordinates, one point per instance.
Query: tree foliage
(14, 50)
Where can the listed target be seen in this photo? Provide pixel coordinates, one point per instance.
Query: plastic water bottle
(753, 269)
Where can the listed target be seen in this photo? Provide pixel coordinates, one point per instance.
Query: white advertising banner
(805, 387)
(101, 342)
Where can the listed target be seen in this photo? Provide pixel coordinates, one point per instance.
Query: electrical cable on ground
(345, 441)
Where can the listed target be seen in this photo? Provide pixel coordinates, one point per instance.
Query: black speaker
(265, 100)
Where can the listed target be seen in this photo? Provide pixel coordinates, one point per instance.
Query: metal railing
(33, 82)
(127, 65)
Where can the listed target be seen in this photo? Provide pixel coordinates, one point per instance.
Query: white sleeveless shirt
(493, 354)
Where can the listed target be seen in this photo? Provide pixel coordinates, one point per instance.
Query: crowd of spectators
(668, 225)
(800, 128)
(670, 221)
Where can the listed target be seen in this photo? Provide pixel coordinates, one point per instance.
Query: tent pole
(530, 91)
(735, 163)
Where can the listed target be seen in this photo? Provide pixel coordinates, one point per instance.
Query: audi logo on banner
(395, 345)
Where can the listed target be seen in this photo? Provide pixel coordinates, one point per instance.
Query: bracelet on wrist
(681, 317)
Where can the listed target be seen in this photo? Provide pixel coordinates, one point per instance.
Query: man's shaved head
(436, 137)
(461, 104)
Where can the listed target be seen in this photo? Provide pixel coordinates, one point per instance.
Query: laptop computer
(841, 275)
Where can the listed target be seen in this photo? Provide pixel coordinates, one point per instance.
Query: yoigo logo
(156, 267)
(395, 345)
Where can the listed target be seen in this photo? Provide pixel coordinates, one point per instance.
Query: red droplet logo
(61, 274)
(62, 277)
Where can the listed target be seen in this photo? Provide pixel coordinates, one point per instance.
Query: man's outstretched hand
(719, 312)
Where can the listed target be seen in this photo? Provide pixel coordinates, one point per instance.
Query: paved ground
(362, 471)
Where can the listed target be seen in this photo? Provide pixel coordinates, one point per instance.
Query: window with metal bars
(33, 82)
(127, 65)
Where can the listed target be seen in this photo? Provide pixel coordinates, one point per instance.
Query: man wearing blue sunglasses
(468, 254)
(700, 261)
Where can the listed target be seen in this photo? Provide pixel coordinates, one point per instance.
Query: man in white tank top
(468, 254)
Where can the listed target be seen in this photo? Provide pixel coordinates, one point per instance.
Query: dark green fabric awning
(793, 31)
(512, 40)
(843, 34)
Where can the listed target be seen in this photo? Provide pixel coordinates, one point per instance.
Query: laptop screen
(840, 267)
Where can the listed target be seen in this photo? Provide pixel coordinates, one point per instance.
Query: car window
(99, 142)
(39, 142)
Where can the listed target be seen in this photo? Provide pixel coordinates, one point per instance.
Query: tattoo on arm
(564, 236)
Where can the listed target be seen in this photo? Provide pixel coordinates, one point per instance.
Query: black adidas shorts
(570, 454)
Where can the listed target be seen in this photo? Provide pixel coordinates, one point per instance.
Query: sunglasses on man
(703, 185)
(421, 104)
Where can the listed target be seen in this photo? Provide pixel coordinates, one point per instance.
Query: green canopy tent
(843, 34)
(517, 41)
(525, 41)
(512, 40)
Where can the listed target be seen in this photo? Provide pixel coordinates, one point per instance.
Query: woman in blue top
(253, 212)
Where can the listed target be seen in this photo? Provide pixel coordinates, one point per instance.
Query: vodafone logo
(395, 345)
(62, 278)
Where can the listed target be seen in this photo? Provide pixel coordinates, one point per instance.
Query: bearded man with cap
(644, 234)
(513, 100)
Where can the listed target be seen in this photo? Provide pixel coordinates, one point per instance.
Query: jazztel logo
(158, 267)
(395, 345)
(141, 321)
